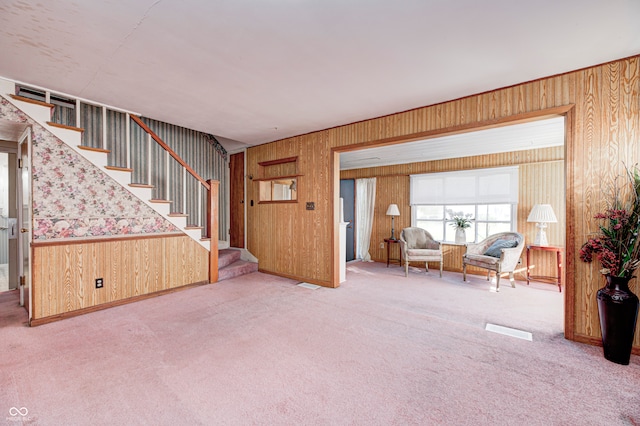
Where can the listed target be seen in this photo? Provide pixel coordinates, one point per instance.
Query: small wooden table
(552, 280)
(389, 241)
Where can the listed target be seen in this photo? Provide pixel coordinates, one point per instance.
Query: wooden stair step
(141, 185)
(32, 101)
(119, 169)
(205, 239)
(156, 200)
(92, 149)
(64, 126)
(193, 227)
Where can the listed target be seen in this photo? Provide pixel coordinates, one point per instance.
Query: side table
(552, 280)
(388, 242)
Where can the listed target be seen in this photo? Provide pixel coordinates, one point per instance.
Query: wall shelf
(279, 161)
(278, 180)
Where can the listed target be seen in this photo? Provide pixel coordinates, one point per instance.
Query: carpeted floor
(380, 350)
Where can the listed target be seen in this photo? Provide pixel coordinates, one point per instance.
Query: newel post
(212, 228)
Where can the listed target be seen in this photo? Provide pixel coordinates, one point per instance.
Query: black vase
(618, 309)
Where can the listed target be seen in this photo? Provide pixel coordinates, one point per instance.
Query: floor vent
(525, 335)
(309, 286)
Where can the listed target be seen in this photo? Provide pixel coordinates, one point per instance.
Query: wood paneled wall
(540, 181)
(603, 118)
(64, 274)
(288, 239)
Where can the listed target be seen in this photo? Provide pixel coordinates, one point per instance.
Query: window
(488, 196)
(488, 219)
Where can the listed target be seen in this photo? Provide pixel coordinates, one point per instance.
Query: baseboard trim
(298, 278)
(53, 318)
(593, 341)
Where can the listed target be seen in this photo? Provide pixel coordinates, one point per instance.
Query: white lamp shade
(393, 210)
(542, 213)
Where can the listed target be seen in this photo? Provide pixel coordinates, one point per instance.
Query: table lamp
(393, 211)
(542, 214)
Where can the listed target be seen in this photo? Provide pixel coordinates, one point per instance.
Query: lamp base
(541, 236)
(393, 237)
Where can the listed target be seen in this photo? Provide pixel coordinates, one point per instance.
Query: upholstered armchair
(418, 245)
(498, 252)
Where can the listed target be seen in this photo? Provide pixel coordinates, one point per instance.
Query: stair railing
(211, 186)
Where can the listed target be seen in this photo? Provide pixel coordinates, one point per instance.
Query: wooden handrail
(212, 208)
(170, 151)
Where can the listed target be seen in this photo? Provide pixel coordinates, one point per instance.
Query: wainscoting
(64, 273)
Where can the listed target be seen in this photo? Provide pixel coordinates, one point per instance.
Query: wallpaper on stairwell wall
(72, 198)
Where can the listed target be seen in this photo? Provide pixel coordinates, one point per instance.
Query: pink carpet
(259, 350)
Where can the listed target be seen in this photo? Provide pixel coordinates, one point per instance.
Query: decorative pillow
(495, 250)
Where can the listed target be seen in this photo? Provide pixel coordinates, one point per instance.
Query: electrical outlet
(99, 282)
(311, 205)
(381, 245)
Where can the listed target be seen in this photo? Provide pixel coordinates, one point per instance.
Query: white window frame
(446, 221)
(439, 189)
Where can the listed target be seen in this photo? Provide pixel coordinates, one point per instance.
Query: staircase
(229, 263)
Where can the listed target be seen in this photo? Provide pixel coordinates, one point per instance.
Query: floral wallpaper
(72, 198)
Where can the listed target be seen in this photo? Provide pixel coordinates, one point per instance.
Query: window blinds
(480, 186)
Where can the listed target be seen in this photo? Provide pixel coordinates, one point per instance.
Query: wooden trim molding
(580, 338)
(64, 126)
(278, 161)
(278, 202)
(32, 101)
(299, 278)
(68, 242)
(570, 228)
(275, 178)
(119, 169)
(92, 149)
(464, 128)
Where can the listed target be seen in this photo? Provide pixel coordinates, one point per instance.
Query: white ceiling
(516, 137)
(254, 71)
(11, 131)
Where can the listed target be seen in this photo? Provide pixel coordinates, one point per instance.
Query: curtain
(365, 203)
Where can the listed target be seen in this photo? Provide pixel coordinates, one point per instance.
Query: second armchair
(418, 245)
(498, 252)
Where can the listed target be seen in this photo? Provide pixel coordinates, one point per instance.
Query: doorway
(348, 195)
(236, 200)
(8, 220)
(379, 161)
(15, 215)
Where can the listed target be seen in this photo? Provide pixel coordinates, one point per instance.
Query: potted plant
(460, 222)
(617, 247)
